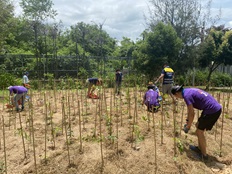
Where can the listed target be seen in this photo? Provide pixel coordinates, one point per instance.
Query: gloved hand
(186, 129)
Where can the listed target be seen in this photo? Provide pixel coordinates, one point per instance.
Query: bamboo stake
(174, 128)
(111, 108)
(21, 129)
(55, 91)
(182, 118)
(228, 103)
(95, 119)
(154, 134)
(120, 107)
(148, 120)
(79, 114)
(33, 136)
(69, 115)
(66, 137)
(129, 107)
(133, 126)
(162, 124)
(63, 115)
(223, 112)
(4, 143)
(45, 136)
(52, 127)
(100, 130)
(117, 122)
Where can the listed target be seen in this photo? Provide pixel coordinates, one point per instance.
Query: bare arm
(190, 116)
(160, 77)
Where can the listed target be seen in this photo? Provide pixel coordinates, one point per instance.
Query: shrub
(8, 80)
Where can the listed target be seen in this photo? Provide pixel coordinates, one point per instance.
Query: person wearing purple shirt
(150, 99)
(211, 111)
(18, 92)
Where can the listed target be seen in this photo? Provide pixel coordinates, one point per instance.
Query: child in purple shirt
(211, 110)
(18, 92)
(150, 99)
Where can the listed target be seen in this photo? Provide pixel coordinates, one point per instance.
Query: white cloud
(120, 17)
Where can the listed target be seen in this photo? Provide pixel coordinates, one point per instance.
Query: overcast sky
(118, 17)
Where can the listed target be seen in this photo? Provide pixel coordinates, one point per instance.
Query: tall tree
(37, 11)
(188, 18)
(216, 50)
(6, 14)
(160, 45)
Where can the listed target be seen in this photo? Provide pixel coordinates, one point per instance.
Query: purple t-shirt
(17, 89)
(151, 97)
(201, 100)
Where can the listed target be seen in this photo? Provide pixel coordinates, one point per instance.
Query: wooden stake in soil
(154, 134)
(120, 108)
(52, 127)
(174, 127)
(4, 144)
(162, 124)
(100, 133)
(182, 118)
(33, 135)
(66, 135)
(45, 136)
(223, 112)
(117, 122)
(79, 115)
(21, 129)
(228, 103)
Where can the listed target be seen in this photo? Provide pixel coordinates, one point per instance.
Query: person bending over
(211, 110)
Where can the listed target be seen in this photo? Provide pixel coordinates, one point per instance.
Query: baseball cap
(176, 89)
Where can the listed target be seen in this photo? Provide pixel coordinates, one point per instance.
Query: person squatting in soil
(151, 98)
(211, 111)
(92, 83)
(18, 92)
(167, 74)
(118, 81)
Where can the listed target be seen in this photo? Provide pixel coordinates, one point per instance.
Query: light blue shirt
(25, 79)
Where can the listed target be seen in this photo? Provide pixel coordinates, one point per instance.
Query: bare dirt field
(62, 131)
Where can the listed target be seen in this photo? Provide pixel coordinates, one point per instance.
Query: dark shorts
(207, 121)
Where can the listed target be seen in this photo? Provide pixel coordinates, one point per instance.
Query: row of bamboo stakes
(69, 98)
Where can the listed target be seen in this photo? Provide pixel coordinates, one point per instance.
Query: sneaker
(195, 149)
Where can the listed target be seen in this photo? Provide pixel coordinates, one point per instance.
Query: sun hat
(176, 89)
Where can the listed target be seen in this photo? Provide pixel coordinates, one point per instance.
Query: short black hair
(176, 89)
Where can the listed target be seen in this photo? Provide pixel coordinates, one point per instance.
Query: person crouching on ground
(211, 110)
(150, 99)
(92, 83)
(18, 92)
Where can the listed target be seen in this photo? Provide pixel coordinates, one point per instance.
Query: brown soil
(107, 144)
